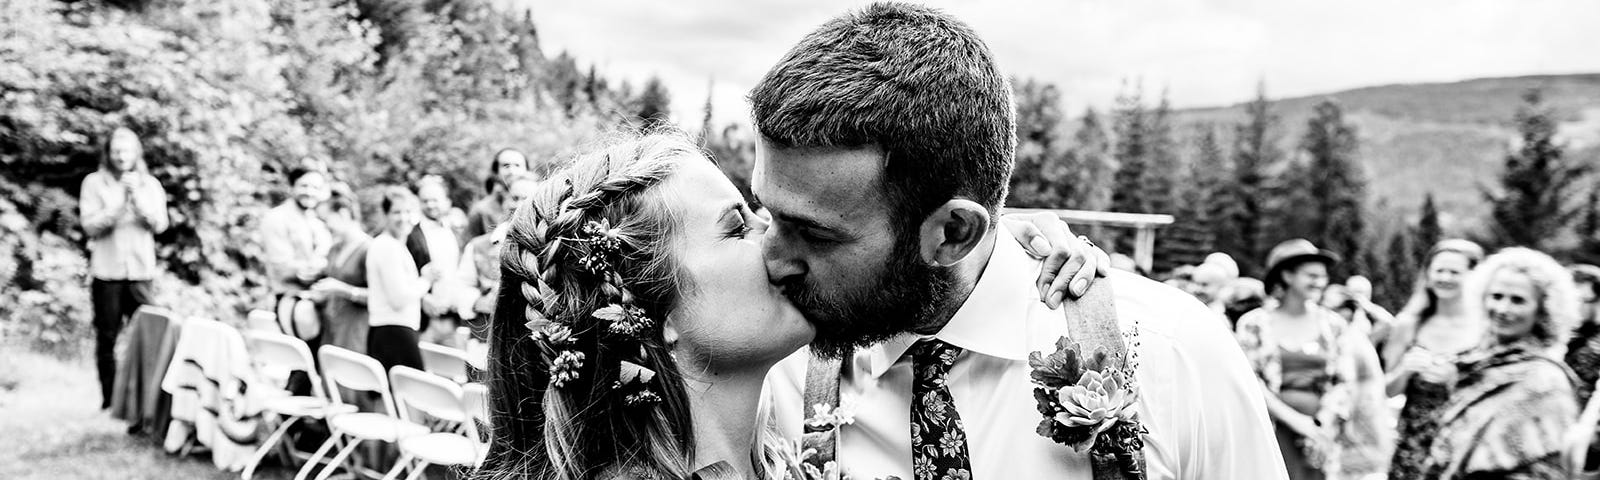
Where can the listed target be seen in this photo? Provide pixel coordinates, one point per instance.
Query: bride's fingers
(1026, 233)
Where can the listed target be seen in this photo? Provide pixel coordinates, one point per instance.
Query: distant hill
(1447, 138)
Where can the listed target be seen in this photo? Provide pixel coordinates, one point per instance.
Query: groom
(887, 143)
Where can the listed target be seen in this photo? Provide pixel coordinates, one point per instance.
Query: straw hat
(1295, 252)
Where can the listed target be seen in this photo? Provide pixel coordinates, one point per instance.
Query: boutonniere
(1087, 403)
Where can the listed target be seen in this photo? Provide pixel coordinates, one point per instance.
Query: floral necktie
(938, 442)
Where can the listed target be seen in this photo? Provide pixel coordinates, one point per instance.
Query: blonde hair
(1558, 295)
(577, 428)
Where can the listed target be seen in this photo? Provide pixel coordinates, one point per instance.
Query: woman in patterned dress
(1435, 326)
(1323, 383)
(1508, 415)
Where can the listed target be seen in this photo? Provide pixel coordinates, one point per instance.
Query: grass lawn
(51, 427)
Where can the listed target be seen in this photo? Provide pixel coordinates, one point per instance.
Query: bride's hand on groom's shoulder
(1071, 262)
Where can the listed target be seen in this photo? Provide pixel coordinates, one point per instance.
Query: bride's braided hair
(587, 278)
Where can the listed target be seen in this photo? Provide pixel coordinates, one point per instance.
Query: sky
(1202, 52)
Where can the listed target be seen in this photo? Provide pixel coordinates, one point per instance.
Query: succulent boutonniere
(1087, 403)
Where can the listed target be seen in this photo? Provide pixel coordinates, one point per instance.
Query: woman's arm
(1070, 263)
(1401, 336)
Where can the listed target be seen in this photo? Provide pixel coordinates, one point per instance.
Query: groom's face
(834, 248)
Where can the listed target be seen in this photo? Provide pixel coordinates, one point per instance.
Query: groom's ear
(952, 231)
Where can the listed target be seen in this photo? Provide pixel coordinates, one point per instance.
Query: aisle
(51, 427)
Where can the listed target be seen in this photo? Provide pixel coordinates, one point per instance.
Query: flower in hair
(550, 332)
(624, 320)
(565, 367)
(642, 398)
(604, 243)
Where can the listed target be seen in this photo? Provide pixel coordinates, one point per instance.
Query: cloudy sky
(1204, 52)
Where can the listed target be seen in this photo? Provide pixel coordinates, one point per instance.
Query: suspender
(822, 388)
(1092, 321)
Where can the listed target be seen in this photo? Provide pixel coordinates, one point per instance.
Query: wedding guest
(491, 210)
(295, 245)
(478, 274)
(1583, 350)
(432, 241)
(1360, 289)
(1242, 296)
(344, 283)
(394, 286)
(1324, 387)
(1434, 327)
(1513, 403)
(1206, 283)
(122, 208)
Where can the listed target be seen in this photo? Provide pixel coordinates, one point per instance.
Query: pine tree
(1091, 164)
(1164, 171)
(1333, 178)
(1038, 174)
(1590, 226)
(1129, 130)
(654, 104)
(705, 120)
(1255, 150)
(1392, 287)
(1533, 203)
(1191, 236)
(1428, 230)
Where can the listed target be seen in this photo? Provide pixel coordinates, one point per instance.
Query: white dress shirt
(1199, 398)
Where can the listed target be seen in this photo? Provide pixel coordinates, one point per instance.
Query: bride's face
(729, 316)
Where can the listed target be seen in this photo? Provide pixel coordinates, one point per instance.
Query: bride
(635, 323)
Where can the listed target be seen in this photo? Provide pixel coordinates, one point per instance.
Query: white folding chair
(354, 371)
(444, 361)
(442, 399)
(277, 356)
(476, 397)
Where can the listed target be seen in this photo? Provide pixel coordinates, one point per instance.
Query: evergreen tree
(1534, 201)
(1191, 237)
(1255, 150)
(1091, 165)
(705, 120)
(1040, 173)
(1335, 183)
(1590, 226)
(1428, 230)
(654, 104)
(1159, 187)
(1392, 287)
(1130, 129)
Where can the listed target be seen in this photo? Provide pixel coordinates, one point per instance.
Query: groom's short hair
(913, 81)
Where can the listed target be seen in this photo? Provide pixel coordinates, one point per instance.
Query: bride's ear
(953, 231)
(669, 333)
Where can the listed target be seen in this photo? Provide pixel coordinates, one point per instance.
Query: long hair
(583, 428)
(1424, 303)
(109, 166)
(1557, 294)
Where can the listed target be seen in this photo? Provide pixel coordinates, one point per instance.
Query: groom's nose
(783, 265)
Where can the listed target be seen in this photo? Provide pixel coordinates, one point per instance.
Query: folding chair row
(402, 390)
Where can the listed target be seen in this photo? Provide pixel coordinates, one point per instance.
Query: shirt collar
(992, 321)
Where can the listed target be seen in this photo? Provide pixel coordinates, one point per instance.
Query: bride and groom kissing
(874, 316)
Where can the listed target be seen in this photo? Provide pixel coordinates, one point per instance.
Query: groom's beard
(905, 294)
